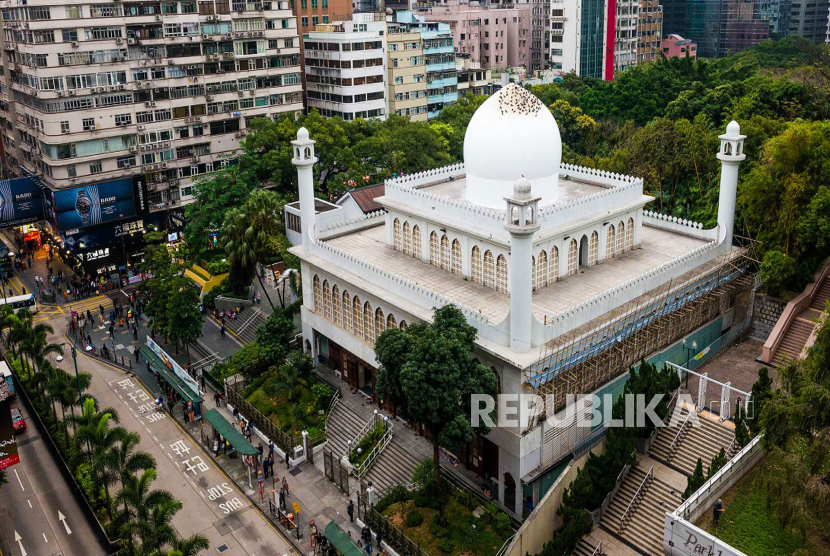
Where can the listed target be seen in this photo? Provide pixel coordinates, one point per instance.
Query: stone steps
(584, 548)
(704, 442)
(822, 295)
(793, 341)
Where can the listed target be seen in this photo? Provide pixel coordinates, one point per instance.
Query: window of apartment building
(305, 21)
(123, 119)
(399, 80)
(95, 167)
(39, 12)
(314, 4)
(412, 46)
(188, 7)
(556, 38)
(125, 161)
(315, 20)
(325, 4)
(70, 35)
(106, 10)
(325, 19)
(71, 172)
(103, 33)
(289, 43)
(88, 124)
(393, 47)
(557, 25)
(74, 12)
(304, 4)
(64, 127)
(556, 65)
(43, 37)
(556, 52)
(419, 77)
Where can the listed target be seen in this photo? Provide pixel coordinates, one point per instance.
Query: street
(39, 514)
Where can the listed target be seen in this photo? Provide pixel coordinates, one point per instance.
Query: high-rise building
(649, 31)
(583, 36)
(345, 67)
(311, 13)
(497, 36)
(407, 72)
(539, 33)
(625, 34)
(720, 28)
(159, 91)
(472, 78)
(808, 19)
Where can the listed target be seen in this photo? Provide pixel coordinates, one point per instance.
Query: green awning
(172, 379)
(223, 427)
(344, 544)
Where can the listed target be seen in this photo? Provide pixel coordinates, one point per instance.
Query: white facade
(523, 274)
(625, 34)
(95, 91)
(345, 68)
(565, 36)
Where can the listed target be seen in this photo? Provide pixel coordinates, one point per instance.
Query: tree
(102, 440)
(741, 431)
(437, 379)
(297, 368)
(137, 500)
(760, 395)
(274, 335)
(718, 462)
(184, 319)
(777, 271)
(695, 481)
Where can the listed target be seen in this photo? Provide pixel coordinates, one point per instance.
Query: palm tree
(101, 441)
(191, 546)
(250, 230)
(138, 500)
(157, 531)
(36, 343)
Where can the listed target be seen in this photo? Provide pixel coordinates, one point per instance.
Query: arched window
(610, 242)
(542, 270)
(347, 311)
(456, 257)
(434, 254)
(501, 274)
(416, 242)
(368, 323)
(390, 322)
(396, 234)
(335, 306)
(620, 238)
(318, 295)
(380, 322)
(593, 249)
(445, 252)
(403, 325)
(357, 309)
(514, 215)
(532, 272)
(475, 265)
(573, 251)
(629, 235)
(489, 270)
(553, 272)
(407, 239)
(326, 300)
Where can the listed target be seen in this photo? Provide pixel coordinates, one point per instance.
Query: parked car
(18, 420)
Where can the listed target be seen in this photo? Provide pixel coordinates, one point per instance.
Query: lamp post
(689, 350)
(59, 358)
(9, 255)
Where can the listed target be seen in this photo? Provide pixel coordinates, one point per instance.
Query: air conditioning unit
(197, 118)
(229, 36)
(194, 159)
(119, 41)
(174, 182)
(140, 127)
(74, 45)
(164, 165)
(171, 62)
(216, 56)
(277, 50)
(259, 33)
(158, 18)
(188, 120)
(94, 90)
(122, 87)
(143, 147)
(112, 87)
(240, 93)
(220, 71)
(209, 97)
(72, 93)
(148, 104)
(130, 41)
(252, 92)
(127, 164)
(143, 62)
(133, 149)
(166, 145)
(153, 104)
(61, 93)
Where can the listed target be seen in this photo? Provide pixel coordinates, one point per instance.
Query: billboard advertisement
(8, 445)
(173, 366)
(20, 201)
(91, 205)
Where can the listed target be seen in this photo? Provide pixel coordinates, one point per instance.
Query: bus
(6, 379)
(18, 302)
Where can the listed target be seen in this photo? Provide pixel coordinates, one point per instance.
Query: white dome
(511, 135)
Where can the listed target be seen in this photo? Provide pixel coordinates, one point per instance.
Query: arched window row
(349, 312)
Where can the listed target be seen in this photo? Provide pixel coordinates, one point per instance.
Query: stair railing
(247, 323)
(678, 438)
(635, 501)
(361, 469)
(598, 550)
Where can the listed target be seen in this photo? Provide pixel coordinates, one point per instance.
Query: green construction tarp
(344, 544)
(178, 384)
(223, 427)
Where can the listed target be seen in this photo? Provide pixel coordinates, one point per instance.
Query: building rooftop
(569, 189)
(657, 248)
(365, 197)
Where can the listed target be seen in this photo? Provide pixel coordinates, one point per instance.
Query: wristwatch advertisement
(83, 205)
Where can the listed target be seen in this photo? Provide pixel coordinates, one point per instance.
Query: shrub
(777, 270)
(438, 529)
(414, 518)
(423, 476)
(446, 546)
(218, 267)
(397, 494)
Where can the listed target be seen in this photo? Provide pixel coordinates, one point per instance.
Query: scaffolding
(584, 359)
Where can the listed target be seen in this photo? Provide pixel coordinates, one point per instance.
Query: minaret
(731, 154)
(304, 160)
(522, 221)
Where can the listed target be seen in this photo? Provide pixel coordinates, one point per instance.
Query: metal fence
(712, 350)
(393, 536)
(101, 354)
(335, 470)
(265, 425)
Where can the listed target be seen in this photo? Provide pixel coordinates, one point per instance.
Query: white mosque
(529, 248)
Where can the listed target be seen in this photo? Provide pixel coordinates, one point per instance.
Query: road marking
(30, 502)
(44, 538)
(18, 479)
(19, 540)
(62, 519)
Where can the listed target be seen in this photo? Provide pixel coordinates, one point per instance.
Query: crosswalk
(91, 304)
(15, 286)
(47, 312)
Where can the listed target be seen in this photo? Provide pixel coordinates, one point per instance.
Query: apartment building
(497, 36)
(539, 33)
(649, 31)
(407, 72)
(345, 67)
(675, 46)
(808, 19)
(583, 36)
(472, 78)
(626, 19)
(156, 91)
(311, 13)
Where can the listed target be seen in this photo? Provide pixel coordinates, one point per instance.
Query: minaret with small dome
(731, 154)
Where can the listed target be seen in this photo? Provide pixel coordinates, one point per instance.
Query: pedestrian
(216, 447)
(184, 412)
(135, 333)
(282, 499)
(236, 415)
(718, 509)
(222, 331)
(369, 548)
(350, 511)
(261, 451)
(271, 449)
(121, 323)
(101, 308)
(137, 356)
(285, 486)
(148, 368)
(377, 540)
(258, 298)
(101, 321)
